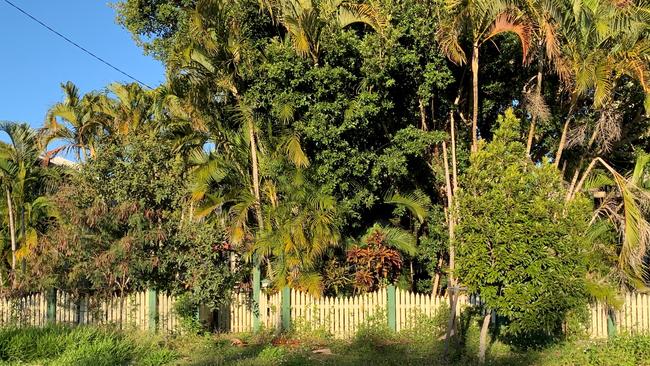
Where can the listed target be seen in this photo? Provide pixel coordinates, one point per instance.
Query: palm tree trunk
(531, 130)
(475, 98)
(560, 147)
(450, 216)
(483, 340)
(531, 134)
(451, 285)
(255, 173)
(254, 168)
(22, 233)
(454, 167)
(12, 229)
(436, 278)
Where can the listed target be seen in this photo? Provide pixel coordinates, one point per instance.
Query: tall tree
(603, 42)
(520, 246)
(482, 20)
(307, 21)
(23, 184)
(546, 18)
(76, 121)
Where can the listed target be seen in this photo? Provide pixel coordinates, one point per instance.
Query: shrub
(521, 246)
(427, 329)
(374, 331)
(310, 332)
(272, 355)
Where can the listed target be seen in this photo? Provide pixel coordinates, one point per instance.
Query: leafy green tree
(156, 25)
(520, 246)
(127, 227)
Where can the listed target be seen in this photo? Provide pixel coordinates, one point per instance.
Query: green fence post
(611, 327)
(152, 307)
(256, 298)
(286, 308)
(391, 307)
(51, 306)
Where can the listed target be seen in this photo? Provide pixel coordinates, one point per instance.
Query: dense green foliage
(127, 227)
(337, 146)
(521, 247)
(79, 346)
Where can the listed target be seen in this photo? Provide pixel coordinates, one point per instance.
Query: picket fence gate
(338, 316)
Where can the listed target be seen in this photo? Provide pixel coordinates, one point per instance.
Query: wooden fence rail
(338, 316)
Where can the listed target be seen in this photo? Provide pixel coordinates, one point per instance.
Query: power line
(75, 44)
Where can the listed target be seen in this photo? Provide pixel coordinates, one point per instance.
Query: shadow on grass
(375, 352)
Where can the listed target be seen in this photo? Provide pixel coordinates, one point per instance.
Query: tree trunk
(436, 278)
(12, 229)
(531, 130)
(454, 167)
(450, 216)
(475, 98)
(483, 340)
(572, 186)
(255, 173)
(560, 148)
(423, 116)
(451, 288)
(531, 135)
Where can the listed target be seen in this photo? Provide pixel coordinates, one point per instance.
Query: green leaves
(519, 247)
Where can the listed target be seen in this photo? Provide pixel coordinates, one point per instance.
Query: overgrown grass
(374, 344)
(57, 345)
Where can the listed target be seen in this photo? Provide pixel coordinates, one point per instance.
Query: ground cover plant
(372, 345)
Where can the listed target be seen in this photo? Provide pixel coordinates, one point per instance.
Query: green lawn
(96, 346)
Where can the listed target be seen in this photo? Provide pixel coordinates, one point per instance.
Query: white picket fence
(633, 317)
(128, 312)
(339, 316)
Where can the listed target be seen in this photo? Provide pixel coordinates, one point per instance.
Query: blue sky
(34, 61)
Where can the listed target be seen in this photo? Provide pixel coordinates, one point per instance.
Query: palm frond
(417, 202)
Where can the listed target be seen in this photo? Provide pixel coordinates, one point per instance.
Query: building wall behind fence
(339, 316)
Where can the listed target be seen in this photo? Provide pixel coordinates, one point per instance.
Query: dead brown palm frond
(577, 135)
(448, 36)
(609, 209)
(510, 22)
(607, 129)
(536, 106)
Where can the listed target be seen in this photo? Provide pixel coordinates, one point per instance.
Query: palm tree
(603, 42)
(625, 208)
(418, 205)
(482, 20)
(306, 21)
(301, 225)
(546, 17)
(130, 110)
(7, 172)
(214, 61)
(76, 121)
(21, 180)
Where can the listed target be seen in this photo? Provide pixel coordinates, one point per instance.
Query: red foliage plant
(374, 262)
